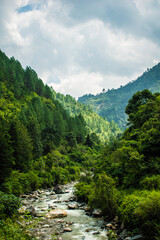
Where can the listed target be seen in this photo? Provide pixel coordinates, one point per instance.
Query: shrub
(17, 183)
(141, 210)
(151, 183)
(45, 179)
(33, 179)
(82, 191)
(126, 210)
(147, 214)
(8, 204)
(10, 230)
(104, 195)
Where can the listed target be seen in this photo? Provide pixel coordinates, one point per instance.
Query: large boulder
(56, 214)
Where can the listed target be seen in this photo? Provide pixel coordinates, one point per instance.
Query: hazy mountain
(111, 104)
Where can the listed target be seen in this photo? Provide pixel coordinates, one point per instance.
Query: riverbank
(55, 214)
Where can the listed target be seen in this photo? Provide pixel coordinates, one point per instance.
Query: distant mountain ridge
(105, 130)
(111, 104)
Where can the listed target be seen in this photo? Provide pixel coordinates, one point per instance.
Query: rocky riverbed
(55, 214)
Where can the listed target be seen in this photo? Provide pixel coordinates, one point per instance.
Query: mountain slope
(36, 132)
(111, 104)
(105, 131)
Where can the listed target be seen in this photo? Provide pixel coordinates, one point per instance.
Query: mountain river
(82, 226)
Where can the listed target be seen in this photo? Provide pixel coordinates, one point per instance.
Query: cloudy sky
(82, 46)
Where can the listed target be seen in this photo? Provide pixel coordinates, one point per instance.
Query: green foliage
(22, 146)
(104, 195)
(150, 182)
(47, 139)
(11, 230)
(32, 125)
(18, 183)
(83, 190)
(141, 210)
(127, 208)
(9, 205)
(95, 124)
(6, 152)
(111, 104)
(147, 214)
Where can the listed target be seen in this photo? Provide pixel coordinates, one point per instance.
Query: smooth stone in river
(56, 214)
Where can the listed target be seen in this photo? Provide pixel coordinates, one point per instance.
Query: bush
(17, 183)
(82, 191)
(10, 230)
(46, 179)
(147, 214)
(8, 205)
(126, 210)
(141, 210)
(104, 195)
(151, 183)
(33, 179)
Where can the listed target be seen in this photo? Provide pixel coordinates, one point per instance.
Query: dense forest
(105, 130)
(45, 140)
(127, 176)
(111, 104)
(41, 144)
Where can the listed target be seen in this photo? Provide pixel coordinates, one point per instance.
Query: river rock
(24, 196)
(97, 213)
(57, 201)
(52, 193)
(73, 206)
(87, 208)
(67, 229)
(137, 237)
(60, 221)
(96, 232)
(40, 191)
(56, 214)
(32, 211)
(46, 226)
(72, 199)
(109, 226)
(51, 206)
(89, 229)
(58, 189)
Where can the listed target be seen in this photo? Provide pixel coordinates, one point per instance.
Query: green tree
(104, 195)
(6, 152)
(138, 99)
(22, 146)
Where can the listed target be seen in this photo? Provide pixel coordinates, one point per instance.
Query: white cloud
(79, 84)
(81, 47)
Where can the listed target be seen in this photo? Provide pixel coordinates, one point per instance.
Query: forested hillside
(37, 135)
(45, 142)
(127, 175)
(111, 104)
(105, 130)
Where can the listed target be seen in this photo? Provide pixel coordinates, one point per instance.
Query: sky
(82, 46)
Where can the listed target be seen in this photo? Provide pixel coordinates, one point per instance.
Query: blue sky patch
(26, 8)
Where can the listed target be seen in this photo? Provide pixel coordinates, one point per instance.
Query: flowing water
(83, 227)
